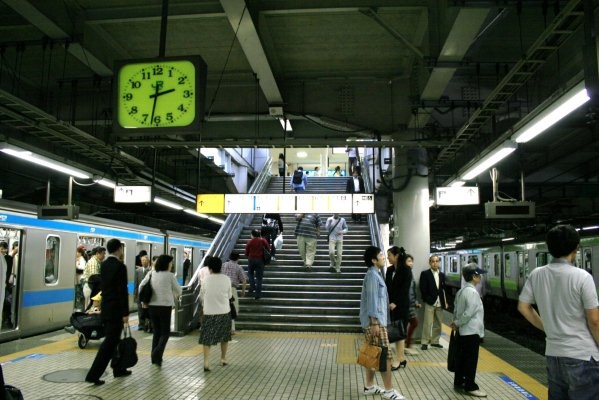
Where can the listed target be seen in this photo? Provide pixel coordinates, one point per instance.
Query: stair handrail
(375, 231)
(224, 242)
(227, 235)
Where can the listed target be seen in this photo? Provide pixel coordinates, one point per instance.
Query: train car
(41, 293)
(508, 265)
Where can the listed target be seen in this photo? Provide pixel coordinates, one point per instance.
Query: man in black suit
(115, 311)
(432, 288)
(355, 184)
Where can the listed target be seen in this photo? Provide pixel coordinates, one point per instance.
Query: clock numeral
(133, 110)
(182, 108)
(182, 79)
(128, 96)
(157, 70)
(157, 120)
(169, 117)
(145, 75)
(144, 118)
(170, 73)
(187, 93)
(135, 84)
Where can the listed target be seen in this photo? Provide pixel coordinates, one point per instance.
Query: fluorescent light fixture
(457, 183)
(285, 124)
(507, 239)
(195, 213)
(489, 160)
(589, 228)
(563, 106)
(45, 162)
(431, 203)
(200, 215)
(167, 203)
(107, 183)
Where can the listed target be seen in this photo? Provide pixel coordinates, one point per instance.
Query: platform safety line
(488, 362)
(46, 349)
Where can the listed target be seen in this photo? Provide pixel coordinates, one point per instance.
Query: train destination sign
(456, 196)
(133, 194)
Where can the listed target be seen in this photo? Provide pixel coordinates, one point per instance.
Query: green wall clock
(159, 95)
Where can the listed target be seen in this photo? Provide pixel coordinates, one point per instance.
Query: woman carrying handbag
(165, 290)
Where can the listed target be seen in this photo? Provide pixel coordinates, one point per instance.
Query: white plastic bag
(278, 242)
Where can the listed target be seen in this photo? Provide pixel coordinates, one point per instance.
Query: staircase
(296, 300)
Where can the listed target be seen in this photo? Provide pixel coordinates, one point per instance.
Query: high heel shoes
(223, 362)
(402, 364)
(206, 369)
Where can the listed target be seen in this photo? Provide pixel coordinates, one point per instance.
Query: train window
(507, 263)
(454, 264)
(173, 253)
(441, 264)
(541, 259)
(473, 259)
(52, 257)
(496, 264)
(587, 256)
(486, 264)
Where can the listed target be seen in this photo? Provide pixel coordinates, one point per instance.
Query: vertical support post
(70, 194)
(163, 24)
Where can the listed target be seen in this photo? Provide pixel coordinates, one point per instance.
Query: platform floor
(262, 365)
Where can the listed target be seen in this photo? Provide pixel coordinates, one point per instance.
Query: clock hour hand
(161, 93)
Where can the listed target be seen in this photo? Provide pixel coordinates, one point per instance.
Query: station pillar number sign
(159, 95)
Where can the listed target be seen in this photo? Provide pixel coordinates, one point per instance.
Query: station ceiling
(429, 75)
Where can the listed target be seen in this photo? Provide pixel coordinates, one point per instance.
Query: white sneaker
(477, 393)
(374, 389)
(393, 395)
(411, 352)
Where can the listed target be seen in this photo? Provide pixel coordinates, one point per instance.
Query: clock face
(160, 94)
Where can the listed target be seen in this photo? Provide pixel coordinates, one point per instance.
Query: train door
(586, 259)
(187, 264)
(509, 280)
(174, 252)
(522, 257)
(85, 244)
(481, 288)
(140, 249)
(9, 299)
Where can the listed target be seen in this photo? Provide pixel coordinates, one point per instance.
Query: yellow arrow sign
(210, 203)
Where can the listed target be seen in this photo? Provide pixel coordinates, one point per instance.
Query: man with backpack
(299, 180)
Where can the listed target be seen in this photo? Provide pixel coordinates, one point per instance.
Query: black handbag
(12, 393)
(233, 309)
(266, 256)
(395, 331)
(452, 351)
(125, 355)
(145, 294)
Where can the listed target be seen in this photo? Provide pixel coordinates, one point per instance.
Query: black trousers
(466, 361)
(161, 321)
(113, 329)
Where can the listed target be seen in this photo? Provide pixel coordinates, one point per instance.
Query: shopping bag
(452, 352)
(278, 242)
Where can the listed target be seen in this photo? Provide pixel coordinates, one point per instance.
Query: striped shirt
(308, 225)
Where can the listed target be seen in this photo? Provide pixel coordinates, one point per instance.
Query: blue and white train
(40, 296)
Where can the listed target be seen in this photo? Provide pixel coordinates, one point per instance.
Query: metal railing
(187, 311)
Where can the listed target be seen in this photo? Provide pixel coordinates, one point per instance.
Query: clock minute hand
(161, 93)
(155, 96)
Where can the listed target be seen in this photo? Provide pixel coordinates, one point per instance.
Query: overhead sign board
(133, 194)
(363, 203)
(290, 203)
(457, 196)
(210, 203)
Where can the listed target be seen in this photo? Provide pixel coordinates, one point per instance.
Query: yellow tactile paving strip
(262, 366)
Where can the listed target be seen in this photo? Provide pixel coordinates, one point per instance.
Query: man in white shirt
(336, 227)
(568, 314)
